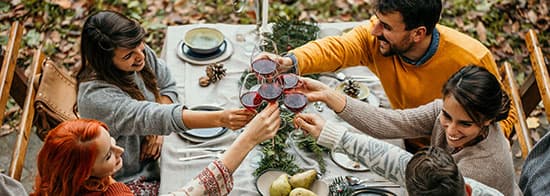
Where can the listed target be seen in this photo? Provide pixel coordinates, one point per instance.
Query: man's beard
(392, 49)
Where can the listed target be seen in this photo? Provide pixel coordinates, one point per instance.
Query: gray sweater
(383, 158)
(129, 120)
(489, 161)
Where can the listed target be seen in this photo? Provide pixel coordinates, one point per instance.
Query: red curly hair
(66, 160)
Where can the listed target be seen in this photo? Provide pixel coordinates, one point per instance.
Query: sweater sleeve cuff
(178, 115)
(331, 135)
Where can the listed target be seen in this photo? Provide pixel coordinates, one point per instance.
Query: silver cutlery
(187, 150)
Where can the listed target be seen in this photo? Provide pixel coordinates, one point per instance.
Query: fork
(215, 153)
(339, 187)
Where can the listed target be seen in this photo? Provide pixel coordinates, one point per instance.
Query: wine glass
(290, 82)
(295, 102)
(249, 97)
(263, 45)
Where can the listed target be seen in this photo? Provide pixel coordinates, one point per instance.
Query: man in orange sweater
(402, 45)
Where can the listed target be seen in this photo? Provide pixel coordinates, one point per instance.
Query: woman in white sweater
(463, 123)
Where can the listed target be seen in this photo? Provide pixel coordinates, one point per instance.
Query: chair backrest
(9, 64)
(23, 135)
(509, 82)
(540, 69)
(49, 92)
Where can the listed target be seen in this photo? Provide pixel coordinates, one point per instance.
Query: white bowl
(203, 40)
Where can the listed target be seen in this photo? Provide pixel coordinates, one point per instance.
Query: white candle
(265, 8)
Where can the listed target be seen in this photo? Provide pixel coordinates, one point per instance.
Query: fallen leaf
(481, 32)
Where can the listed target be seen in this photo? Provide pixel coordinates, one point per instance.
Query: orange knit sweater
(406, 85)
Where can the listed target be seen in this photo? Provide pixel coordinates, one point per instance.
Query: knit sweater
(129, 120)
(489, 161)
(383, 158)
(212, 180)
(10, 186)
(406, 85)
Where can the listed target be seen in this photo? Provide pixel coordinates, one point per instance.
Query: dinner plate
(341, 159)
(204, 134)
(373, 192)
(198, 56)
(185, 54)
(263, 182)
(364, 93)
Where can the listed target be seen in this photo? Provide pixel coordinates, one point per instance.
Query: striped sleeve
(214, 180)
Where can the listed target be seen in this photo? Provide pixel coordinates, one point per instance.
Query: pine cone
(351, 88)
(215, 72)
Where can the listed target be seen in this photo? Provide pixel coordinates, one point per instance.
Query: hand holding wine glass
(249, 96)
(311, 123)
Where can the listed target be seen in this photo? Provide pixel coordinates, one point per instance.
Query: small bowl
(203, 40)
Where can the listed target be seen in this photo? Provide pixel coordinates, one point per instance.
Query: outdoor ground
(500, 25)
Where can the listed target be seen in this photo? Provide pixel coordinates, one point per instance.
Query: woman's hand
(314, 89)
(151, 147)
(311, 123)
(264, 126)
(236, 118)
(318, 91)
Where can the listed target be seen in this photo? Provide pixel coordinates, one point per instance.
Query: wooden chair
(55, 94)
(9, 64)
(25, 126)
(509, 82)
(540, 69)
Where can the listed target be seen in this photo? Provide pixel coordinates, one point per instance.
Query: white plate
(364, 93)
(204, 61)
(341, 159)
(263, 182)
(204, 134)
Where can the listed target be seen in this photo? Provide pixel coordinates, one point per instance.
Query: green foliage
(274, 154)
(291, 33)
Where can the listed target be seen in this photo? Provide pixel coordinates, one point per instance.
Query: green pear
(301, 192)
(280, 187)
(304, 179)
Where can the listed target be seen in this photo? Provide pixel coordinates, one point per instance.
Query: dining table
(225, 94)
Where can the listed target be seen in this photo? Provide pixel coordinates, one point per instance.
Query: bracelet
(294, 68)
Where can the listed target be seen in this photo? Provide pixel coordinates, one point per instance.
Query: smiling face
(108, 160)
(391, 33)
(459, 127)
(130, 60)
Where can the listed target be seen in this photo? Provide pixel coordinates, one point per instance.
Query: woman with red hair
(79, 157)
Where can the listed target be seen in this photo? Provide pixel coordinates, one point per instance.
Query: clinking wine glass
(295, 102)
(249, 97)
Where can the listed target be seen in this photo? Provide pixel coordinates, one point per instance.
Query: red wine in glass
(289, 81)
(265, 67)
(270, 91)
(295, 101)
(251, 100)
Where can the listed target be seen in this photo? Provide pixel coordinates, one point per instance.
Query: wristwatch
(294, 68)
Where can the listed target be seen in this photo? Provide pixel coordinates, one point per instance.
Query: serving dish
(203, 40)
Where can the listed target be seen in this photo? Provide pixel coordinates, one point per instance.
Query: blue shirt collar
(429, 53)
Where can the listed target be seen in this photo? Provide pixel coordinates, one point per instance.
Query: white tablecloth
(224, 93)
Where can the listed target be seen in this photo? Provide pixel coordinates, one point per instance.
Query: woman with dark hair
(464, 123)
(124, 84)
(79, 157)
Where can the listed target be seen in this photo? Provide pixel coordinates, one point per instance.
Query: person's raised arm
(231, 118)
(264, 126)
